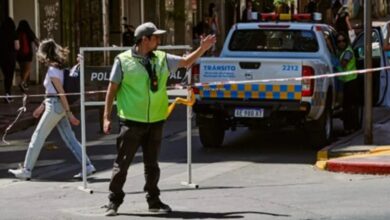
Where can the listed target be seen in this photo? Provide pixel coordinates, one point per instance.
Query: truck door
(330, 36)
(380, 79)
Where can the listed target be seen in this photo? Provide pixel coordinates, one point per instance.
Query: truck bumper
(276, 113)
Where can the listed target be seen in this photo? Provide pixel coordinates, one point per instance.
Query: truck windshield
(274, 40)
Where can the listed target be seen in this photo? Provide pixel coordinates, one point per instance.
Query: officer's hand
(208, 41)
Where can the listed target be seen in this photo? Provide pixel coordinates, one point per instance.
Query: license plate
(249, 113)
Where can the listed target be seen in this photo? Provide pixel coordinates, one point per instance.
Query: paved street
(255, 175)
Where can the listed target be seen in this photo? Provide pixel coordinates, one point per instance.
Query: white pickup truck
(266, 51)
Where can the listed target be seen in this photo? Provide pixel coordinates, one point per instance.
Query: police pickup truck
(247, 95)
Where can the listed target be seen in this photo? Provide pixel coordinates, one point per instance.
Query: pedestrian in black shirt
(25, 54)
(247, 12)
(311, 6)
(9, 44)
(128, 36)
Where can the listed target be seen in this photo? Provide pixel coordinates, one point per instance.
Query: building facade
(98, 23)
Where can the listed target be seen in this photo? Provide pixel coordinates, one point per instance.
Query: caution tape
(59, 94)
(19, 111)
(23, 109)
(321, 76)
(328, 75)
(191, 101)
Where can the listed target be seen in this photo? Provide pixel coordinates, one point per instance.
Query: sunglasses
(343, 40)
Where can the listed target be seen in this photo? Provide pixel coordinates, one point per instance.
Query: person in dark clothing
(9, 44)
(347, 62)
(138, 83)
(128, 36)
(342, 23)
(335, 8)
(25, 54)
(247, 12)
(202, 28)
(311, 6)
(199, 31)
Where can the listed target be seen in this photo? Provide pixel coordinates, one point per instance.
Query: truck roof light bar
(286, 17)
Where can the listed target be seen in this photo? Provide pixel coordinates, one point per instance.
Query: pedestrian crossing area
(172, 173)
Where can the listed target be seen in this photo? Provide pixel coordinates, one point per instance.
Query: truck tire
(211, 131)
(321, 131)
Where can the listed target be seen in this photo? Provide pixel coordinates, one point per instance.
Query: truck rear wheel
(321, 130)
(211, 131)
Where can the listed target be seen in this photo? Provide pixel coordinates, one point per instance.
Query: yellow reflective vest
(350, 66)
(135, 99)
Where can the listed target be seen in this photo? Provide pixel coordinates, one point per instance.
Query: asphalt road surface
(255, 175)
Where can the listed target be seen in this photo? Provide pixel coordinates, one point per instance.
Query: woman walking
(25, 54)
(56, 111)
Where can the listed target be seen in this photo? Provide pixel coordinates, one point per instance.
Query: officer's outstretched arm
(205, 45)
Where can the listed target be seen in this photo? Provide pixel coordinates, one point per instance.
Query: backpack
(72, 83)
(24, 44)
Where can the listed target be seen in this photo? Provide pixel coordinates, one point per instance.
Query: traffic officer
(350, 85)
(138, 82)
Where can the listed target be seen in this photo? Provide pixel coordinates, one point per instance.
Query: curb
(360, 165)
(326, 154)
(361, 161)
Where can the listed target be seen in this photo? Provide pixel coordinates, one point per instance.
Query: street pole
(142, 11)
(38, 33)
(368, 137)
(106, 29)
(11, 9)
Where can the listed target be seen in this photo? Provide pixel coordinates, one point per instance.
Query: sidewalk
(350, 155)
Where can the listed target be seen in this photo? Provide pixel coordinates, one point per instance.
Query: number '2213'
(290, 68)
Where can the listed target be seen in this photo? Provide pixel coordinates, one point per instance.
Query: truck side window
(376, 47)
(329, 42)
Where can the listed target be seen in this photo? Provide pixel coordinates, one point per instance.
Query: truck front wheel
(211, 131)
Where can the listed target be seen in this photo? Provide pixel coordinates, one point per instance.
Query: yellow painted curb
(380, 149)
(321, 164)
(323, 157)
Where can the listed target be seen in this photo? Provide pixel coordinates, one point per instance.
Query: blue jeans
(54, 116)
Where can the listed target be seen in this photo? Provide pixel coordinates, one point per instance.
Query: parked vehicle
(272, 51)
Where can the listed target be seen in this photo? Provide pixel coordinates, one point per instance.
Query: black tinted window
(274, 40)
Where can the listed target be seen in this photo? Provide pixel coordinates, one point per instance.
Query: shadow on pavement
(181, 189)
(202, 215)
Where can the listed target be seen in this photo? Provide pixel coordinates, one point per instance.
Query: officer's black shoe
(155, 205)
